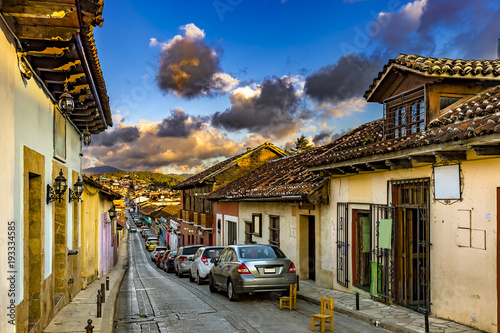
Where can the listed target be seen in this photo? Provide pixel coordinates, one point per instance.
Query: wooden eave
(56, 45)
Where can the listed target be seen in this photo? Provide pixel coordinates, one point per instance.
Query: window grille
(274, 230)
(404, 114)
(342, 244)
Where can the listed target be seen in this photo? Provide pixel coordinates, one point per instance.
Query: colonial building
(52, 97)
(415, 195)
(282, 203)
(197, 214)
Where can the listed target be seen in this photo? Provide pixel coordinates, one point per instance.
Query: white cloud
(153, 42)
(341, 109)
(224, 82)
(192, 31)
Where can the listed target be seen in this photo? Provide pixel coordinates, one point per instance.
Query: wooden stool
(290, 301)
(325, 315)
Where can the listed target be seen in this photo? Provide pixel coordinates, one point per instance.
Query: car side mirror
(213, 260)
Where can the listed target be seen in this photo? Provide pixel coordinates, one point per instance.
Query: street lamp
(112, 212)
(57, 192)
(66, 103)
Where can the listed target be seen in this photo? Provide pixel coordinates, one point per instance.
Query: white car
(156, 250)
(200, 267)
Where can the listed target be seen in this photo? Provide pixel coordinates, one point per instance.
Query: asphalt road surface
(151, 300)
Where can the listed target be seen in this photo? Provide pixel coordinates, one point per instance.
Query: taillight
(292, 268)
(204, 260)
(182, 258)
(242, 269)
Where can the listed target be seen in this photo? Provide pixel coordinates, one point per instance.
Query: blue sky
(195, 82)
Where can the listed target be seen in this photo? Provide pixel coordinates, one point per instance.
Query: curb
(360, 316)
(109, 311)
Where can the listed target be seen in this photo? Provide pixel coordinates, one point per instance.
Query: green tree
(301, 145)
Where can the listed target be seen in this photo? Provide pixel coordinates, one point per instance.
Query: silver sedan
(251, 268)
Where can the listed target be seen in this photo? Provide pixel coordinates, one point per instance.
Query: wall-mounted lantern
(57, 192)
(77, 191)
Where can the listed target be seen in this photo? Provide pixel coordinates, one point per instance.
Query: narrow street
(151, 300)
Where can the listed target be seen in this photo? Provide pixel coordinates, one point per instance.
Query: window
(232, 230)
(248, 232)
(257, 224)
(445, 101)
(404, 115)
(274, 230)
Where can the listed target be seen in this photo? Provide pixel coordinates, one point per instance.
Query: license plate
(269, 270)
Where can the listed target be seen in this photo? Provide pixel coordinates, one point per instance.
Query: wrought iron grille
(342, 244)
(384, 259)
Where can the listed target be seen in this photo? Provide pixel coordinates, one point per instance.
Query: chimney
(498, 48)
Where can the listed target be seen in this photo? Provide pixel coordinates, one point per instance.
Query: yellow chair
(290, 301)
(325, 315)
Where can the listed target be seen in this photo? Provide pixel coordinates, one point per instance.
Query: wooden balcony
(196, 218)
(206, 220)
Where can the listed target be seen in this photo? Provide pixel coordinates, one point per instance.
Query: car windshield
(153, 242)
(212, 253)
(190, 250)
(260, 252)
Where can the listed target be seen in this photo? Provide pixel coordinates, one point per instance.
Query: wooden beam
(399, 163)
(362, 167)
(37, 9)
(487, 150)
(452, 155)
(45, 32)
(348, 169)
(378, 165)
(423, 158)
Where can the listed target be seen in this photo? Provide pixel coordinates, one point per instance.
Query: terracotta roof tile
(287, 176)
(477, 116)
(441, 67)
(200, 177)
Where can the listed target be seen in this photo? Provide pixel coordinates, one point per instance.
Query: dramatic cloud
(190, 68)
(341, 109)
(420, 27)
(272, 106)
(179, 125)
(149, 151)
(349, 77)
(122, 134)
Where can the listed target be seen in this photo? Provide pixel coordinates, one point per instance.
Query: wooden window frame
(273, 230)
(405, 114)
(257, 227)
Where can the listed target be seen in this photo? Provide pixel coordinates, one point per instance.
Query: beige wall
(293, 235)
(463, 278)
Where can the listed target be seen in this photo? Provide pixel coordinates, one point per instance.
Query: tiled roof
(441, 67)
(219, 167)
(287, 176)
(477, 116)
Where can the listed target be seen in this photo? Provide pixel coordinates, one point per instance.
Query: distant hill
(100, 170)
(158, 179)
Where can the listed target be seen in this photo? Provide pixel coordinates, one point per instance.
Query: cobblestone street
(151, 300)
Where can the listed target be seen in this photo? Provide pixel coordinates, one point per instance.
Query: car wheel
(200, 281)
(231, 294)
(211, 284)
(191, 278)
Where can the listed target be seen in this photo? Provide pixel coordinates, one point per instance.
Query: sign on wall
(59, 135)
(447, 182)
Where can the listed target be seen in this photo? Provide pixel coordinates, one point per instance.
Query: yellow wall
(463, 279)
(90, 210)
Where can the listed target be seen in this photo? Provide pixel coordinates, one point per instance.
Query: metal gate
(383, 260)
(342, 244)
(410, 198)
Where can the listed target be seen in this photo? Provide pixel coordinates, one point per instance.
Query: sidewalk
(73, 317)
(393, 318)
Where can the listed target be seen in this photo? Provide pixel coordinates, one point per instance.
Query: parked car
(152, 244)
(133, 229)
(168, 262)
(200, 267)
(144, 229)
(251, 268)
(184, 257)
(158, 248)
(157, 257)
